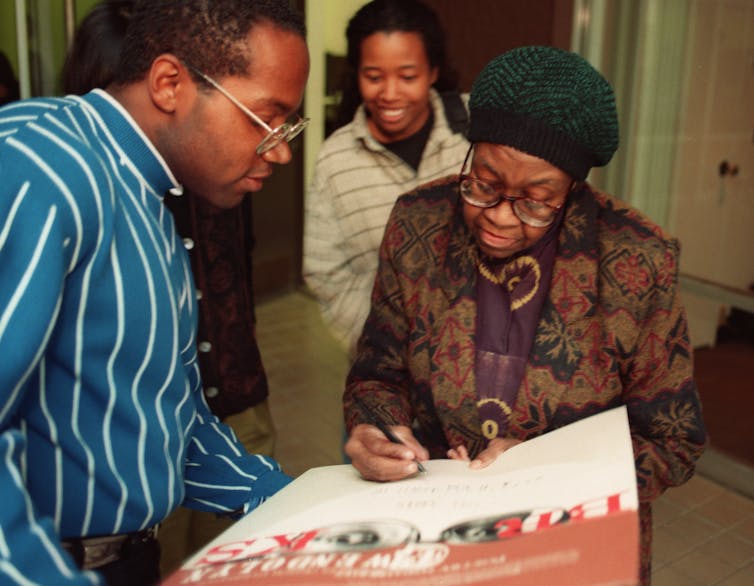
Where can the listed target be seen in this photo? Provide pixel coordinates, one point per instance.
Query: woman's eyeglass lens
(481, 194)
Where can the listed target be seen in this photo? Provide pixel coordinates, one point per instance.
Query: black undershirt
(411, 149)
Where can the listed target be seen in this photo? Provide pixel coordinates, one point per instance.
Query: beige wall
(326, 21)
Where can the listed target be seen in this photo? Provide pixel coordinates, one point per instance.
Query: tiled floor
(704, 532)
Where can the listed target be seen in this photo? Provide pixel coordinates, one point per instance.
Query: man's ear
(166, 78)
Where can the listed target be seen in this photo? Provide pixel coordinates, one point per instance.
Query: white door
(683, 71)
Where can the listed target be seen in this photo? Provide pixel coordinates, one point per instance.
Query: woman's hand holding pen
(378, 458)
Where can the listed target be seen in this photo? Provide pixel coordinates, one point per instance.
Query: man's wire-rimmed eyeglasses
(285, 132)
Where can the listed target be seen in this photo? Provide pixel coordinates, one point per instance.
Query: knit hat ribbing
(549, 103)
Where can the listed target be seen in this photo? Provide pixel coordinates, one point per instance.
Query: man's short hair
(208, 34)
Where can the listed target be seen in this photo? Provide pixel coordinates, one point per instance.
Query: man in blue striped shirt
(103, 427)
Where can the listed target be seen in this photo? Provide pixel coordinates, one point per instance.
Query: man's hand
(487, 456)
(377, 458)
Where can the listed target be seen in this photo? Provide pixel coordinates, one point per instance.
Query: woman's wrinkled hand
(377, 458)
(487, 456)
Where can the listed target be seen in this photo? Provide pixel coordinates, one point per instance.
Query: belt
(94, 552)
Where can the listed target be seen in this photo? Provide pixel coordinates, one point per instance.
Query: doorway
(684, 82)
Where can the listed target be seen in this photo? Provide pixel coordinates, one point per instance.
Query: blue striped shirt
(103, 427)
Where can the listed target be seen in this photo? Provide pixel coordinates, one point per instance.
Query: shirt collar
(132, 145)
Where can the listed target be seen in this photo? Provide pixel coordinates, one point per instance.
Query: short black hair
(8, 79)
(409, 16)
(210, 35)
(93, 57)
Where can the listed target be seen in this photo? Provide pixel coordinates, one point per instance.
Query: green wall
(8, 31)
(55, 38)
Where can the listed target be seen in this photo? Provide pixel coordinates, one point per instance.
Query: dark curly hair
(208, 34)
(93, 56)
(8, 80)
(410, 16)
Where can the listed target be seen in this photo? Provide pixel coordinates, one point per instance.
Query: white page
(582, 463)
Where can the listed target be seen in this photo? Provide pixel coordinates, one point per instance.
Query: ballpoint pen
(382, 426)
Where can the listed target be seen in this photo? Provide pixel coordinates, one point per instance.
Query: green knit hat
(549, 103)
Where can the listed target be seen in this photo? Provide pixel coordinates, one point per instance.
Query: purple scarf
(510, 294)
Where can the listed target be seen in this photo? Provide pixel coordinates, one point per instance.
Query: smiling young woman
(397, 135)
(395, 77)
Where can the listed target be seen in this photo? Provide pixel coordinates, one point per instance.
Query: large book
(558, 509)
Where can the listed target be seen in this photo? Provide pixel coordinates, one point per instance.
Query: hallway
(704, 530)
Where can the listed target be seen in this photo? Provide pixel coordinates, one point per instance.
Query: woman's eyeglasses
(481, 194)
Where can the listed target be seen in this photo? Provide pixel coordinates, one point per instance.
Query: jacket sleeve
(380, 373)
(659, 390)
(220, 475)
(32, 268)
(328, 271)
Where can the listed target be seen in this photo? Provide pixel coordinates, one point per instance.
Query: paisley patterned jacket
(220, 244)
(612, 331)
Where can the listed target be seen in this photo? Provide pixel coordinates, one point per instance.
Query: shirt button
(199, 294)
(205, 346)
(188, 243)
(211, 392)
